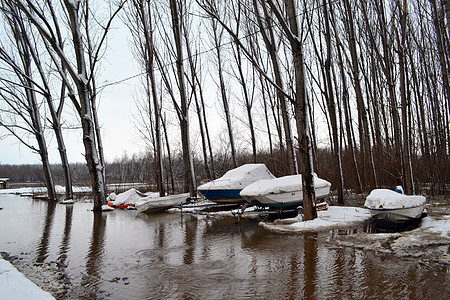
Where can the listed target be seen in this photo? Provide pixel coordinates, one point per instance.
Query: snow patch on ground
(334, 217)
(440, 226)
(14, 285)
(43, 190)
(429, 242)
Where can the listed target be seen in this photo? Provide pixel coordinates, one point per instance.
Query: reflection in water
(92, 280)
(64, 247)
(310, 250)
(163, 256)
(190, 230)
(42, 251)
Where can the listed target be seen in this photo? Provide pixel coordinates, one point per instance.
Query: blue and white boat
(283, 192)
(226, 189)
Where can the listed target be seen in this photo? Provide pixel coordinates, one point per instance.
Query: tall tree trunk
(407, 172)
(345, 102)
(269, 41)
(363, 127)
(63, 155)
(86, 111)
(291, 29)
(443, 58)
(208, 139)
(266, 116)
(169, 158)
(247, 101)
(388, 70)
(56, 119)
(184, 113)
(149, 44)
(194, 83)
(223, 91)
(332, 106)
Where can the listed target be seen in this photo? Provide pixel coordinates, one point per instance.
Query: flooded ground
(77, 254)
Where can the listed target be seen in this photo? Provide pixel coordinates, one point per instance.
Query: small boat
(152, 204)
(126, 199)
(226, 189)
(283, 192)
(394, 206)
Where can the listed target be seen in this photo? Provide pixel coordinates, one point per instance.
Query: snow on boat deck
(14, 285)
(388, 199)
(238, 178)
(285, 184)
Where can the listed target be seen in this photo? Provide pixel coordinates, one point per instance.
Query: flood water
(130, 255)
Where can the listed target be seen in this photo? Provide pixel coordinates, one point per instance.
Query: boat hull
(286, 200)
(224, 196)
(397, 215)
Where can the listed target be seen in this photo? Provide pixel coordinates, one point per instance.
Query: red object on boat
(125, 205)
(120, 205)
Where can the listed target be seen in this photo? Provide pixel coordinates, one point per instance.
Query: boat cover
(129, 197)
(285, 184)
(239, 178)
(388, 199)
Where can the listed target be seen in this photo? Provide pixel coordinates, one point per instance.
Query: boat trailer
(268, 213)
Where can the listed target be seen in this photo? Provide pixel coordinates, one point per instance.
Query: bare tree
(242, 79)
(266, 29)
(291, 29)
(81, 75)
(217, 40)
(176, 9)
(331, 103)
(140, 23)
(20, 93)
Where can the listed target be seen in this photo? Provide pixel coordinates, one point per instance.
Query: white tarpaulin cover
(239, 178)
(388, 199)
(285, 184)
(129, 197)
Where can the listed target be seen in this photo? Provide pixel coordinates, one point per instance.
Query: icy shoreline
(14, 285)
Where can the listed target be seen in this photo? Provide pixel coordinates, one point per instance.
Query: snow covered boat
(152, 204)
(226, 189)
(283, 192)
(126, 199)
(393, 206)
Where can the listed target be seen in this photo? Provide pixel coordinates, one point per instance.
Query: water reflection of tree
(190, 231)
(94, 258)
(310, 248)
(64, 247)
(42, 250)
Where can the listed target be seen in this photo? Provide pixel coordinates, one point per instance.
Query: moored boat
(226, 189)
(393, 206)
(126, 199)
(283, 192)
(152, 204)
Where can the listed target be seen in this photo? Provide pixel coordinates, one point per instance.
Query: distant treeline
(139, 169)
